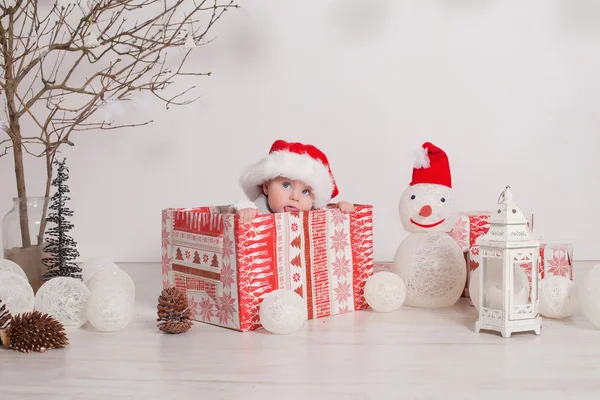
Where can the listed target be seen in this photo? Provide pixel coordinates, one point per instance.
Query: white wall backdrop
(510, 90)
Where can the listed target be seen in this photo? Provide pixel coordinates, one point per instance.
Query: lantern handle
(505, 196)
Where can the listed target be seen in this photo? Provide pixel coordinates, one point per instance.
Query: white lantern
(507, 302)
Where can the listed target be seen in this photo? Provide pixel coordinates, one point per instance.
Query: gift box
(226, 267)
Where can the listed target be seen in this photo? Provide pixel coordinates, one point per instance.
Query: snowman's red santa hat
(431, 166)
(299, 161)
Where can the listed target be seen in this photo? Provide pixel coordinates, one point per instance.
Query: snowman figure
(429, 260)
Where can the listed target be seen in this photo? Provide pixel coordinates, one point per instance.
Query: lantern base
(511, 327)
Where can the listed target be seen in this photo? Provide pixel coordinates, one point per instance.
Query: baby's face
(285, 195)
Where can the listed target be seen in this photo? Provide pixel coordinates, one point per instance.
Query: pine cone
(173, 311)
(33, 331)
(4, 315)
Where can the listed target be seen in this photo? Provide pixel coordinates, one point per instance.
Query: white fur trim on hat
(422, 159)
(292, 166)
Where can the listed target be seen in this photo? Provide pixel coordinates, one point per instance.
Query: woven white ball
(110, 308)
(10, 266)
(93, 265)
(558, 297)
(16, 293)
(432, 266)
(114, 277)
(385, 291)
(63, 298)
(282, 311)
(589, 295)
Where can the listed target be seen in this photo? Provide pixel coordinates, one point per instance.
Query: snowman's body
(433, 268)
(429, 260)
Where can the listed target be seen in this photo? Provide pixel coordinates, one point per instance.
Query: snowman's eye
(443, 200)
(413, 197)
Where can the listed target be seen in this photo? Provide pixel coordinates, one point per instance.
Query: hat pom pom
(422, 159)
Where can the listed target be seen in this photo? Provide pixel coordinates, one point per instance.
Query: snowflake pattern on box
(557, 259)
(460, 232)
(323, 255)
(339, 251)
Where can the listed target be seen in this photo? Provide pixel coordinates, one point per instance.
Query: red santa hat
(299, 161)
(431, 166)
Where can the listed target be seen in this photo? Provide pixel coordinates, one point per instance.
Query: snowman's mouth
(427, 225)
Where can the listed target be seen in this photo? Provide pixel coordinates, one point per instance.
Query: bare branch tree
(64, 64)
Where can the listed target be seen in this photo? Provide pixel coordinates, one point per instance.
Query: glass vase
(28, 213)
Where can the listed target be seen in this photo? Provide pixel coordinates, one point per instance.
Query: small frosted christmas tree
(61, 246)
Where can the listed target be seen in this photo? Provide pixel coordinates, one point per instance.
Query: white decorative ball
(385, 291)
(433, 268)
(558, 297)
(16, 293)
(64, 298)
(10, 266)
(93, 265)
(589, 295)
(521, 287)
(114, 277)
(110, 308)
(427, 208)
(282, 311)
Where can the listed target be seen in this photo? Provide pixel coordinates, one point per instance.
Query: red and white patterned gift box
(226, 267)
(472, 224)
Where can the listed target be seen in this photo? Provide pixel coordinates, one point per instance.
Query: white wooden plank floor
(410, 354)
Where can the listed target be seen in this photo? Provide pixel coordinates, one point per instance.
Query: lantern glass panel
(521, 305)
(492, 283)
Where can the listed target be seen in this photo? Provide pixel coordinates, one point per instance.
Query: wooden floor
(410, 354)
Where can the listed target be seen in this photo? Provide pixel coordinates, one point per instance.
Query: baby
(293, 177)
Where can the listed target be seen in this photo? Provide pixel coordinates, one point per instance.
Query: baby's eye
(286, 185)
(306, 192)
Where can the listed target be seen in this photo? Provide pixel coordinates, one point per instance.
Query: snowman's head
(427, 207)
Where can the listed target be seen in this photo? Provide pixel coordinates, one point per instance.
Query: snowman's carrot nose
(425, 211)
